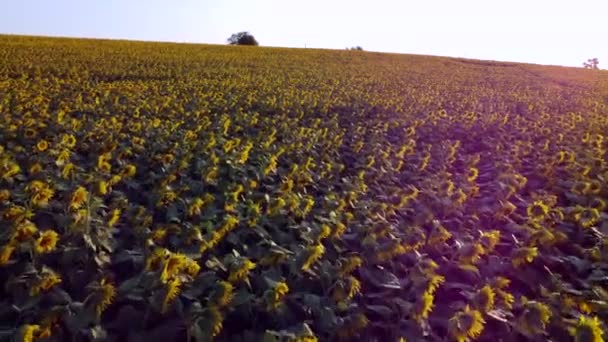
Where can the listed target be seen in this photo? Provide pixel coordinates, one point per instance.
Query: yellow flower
(424, 306)
(313, 254)
(278, 293)
(489, 239)
(471, 253)
(45, 283)
(523, 255)
(67, 171)
(472, 174)
(79, 197)
(537, 211)
(42, 145)
(466, 324)
(241, 270)
(41, 198)
(192, 268)
(216, 320)
(68, 140)
(46, 242)
(174, 264)
(28, 332)
(24, 232)
(173, 287)
(35, 168)
(5, 254)
(351, 264)
(102, 187)
(587, 330)
(485, 298)
(535, 317)
(129, 170)
(63, 158)
(107, 293)
(154, 261)
(115, 216)
(223, 294)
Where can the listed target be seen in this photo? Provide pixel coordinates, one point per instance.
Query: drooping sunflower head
(79, 197)
(223, 294)
(535, 317)
(485, 298)
(240, 270)
(466, 324)
(424, 306)
(106, 295)
(587, 329)
(489, 239)
(523, 255)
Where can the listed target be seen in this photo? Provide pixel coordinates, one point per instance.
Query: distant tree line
(591, 63)
(242, 38)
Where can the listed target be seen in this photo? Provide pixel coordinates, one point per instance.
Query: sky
(555, 32)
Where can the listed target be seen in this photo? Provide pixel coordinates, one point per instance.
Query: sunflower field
(175, 192)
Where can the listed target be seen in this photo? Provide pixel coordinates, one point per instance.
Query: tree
(242, 38)
(355, 48)
(591, 63)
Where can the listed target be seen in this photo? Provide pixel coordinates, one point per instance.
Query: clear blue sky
(537, 31)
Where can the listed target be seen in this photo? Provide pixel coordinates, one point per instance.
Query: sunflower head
(424, 306)
(485, 298)
(535, 317)
(46, 242)
(587, 329)
(79, 197)
(466, 324)
(537, 211)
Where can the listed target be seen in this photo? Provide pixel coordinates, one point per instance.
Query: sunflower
(587, 329)
(129, 171)
(471, 253)
(24, 232)
(216, 320)
(424, 306)
(114, 217)
(535, 317)
(42, 145)
(485, 298)
(28, 332)
(313, 254)
(35, 168)
(350, 264)
(107, 293)
(68, 140)
(537, 211)
(46, 242)
(472, 174)
(172, 291)
(523, 255)
(41, 198)
(102, 187)
(5, 254)
(223, 294)
(67, 171)
(63, 158)
(79, 197)
(173, 265)
(588, 217)
(154, 261)
(489, 239)
(241, 270)
(48, 279)
(466, 325)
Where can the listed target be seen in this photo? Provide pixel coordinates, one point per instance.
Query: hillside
(156, 191)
